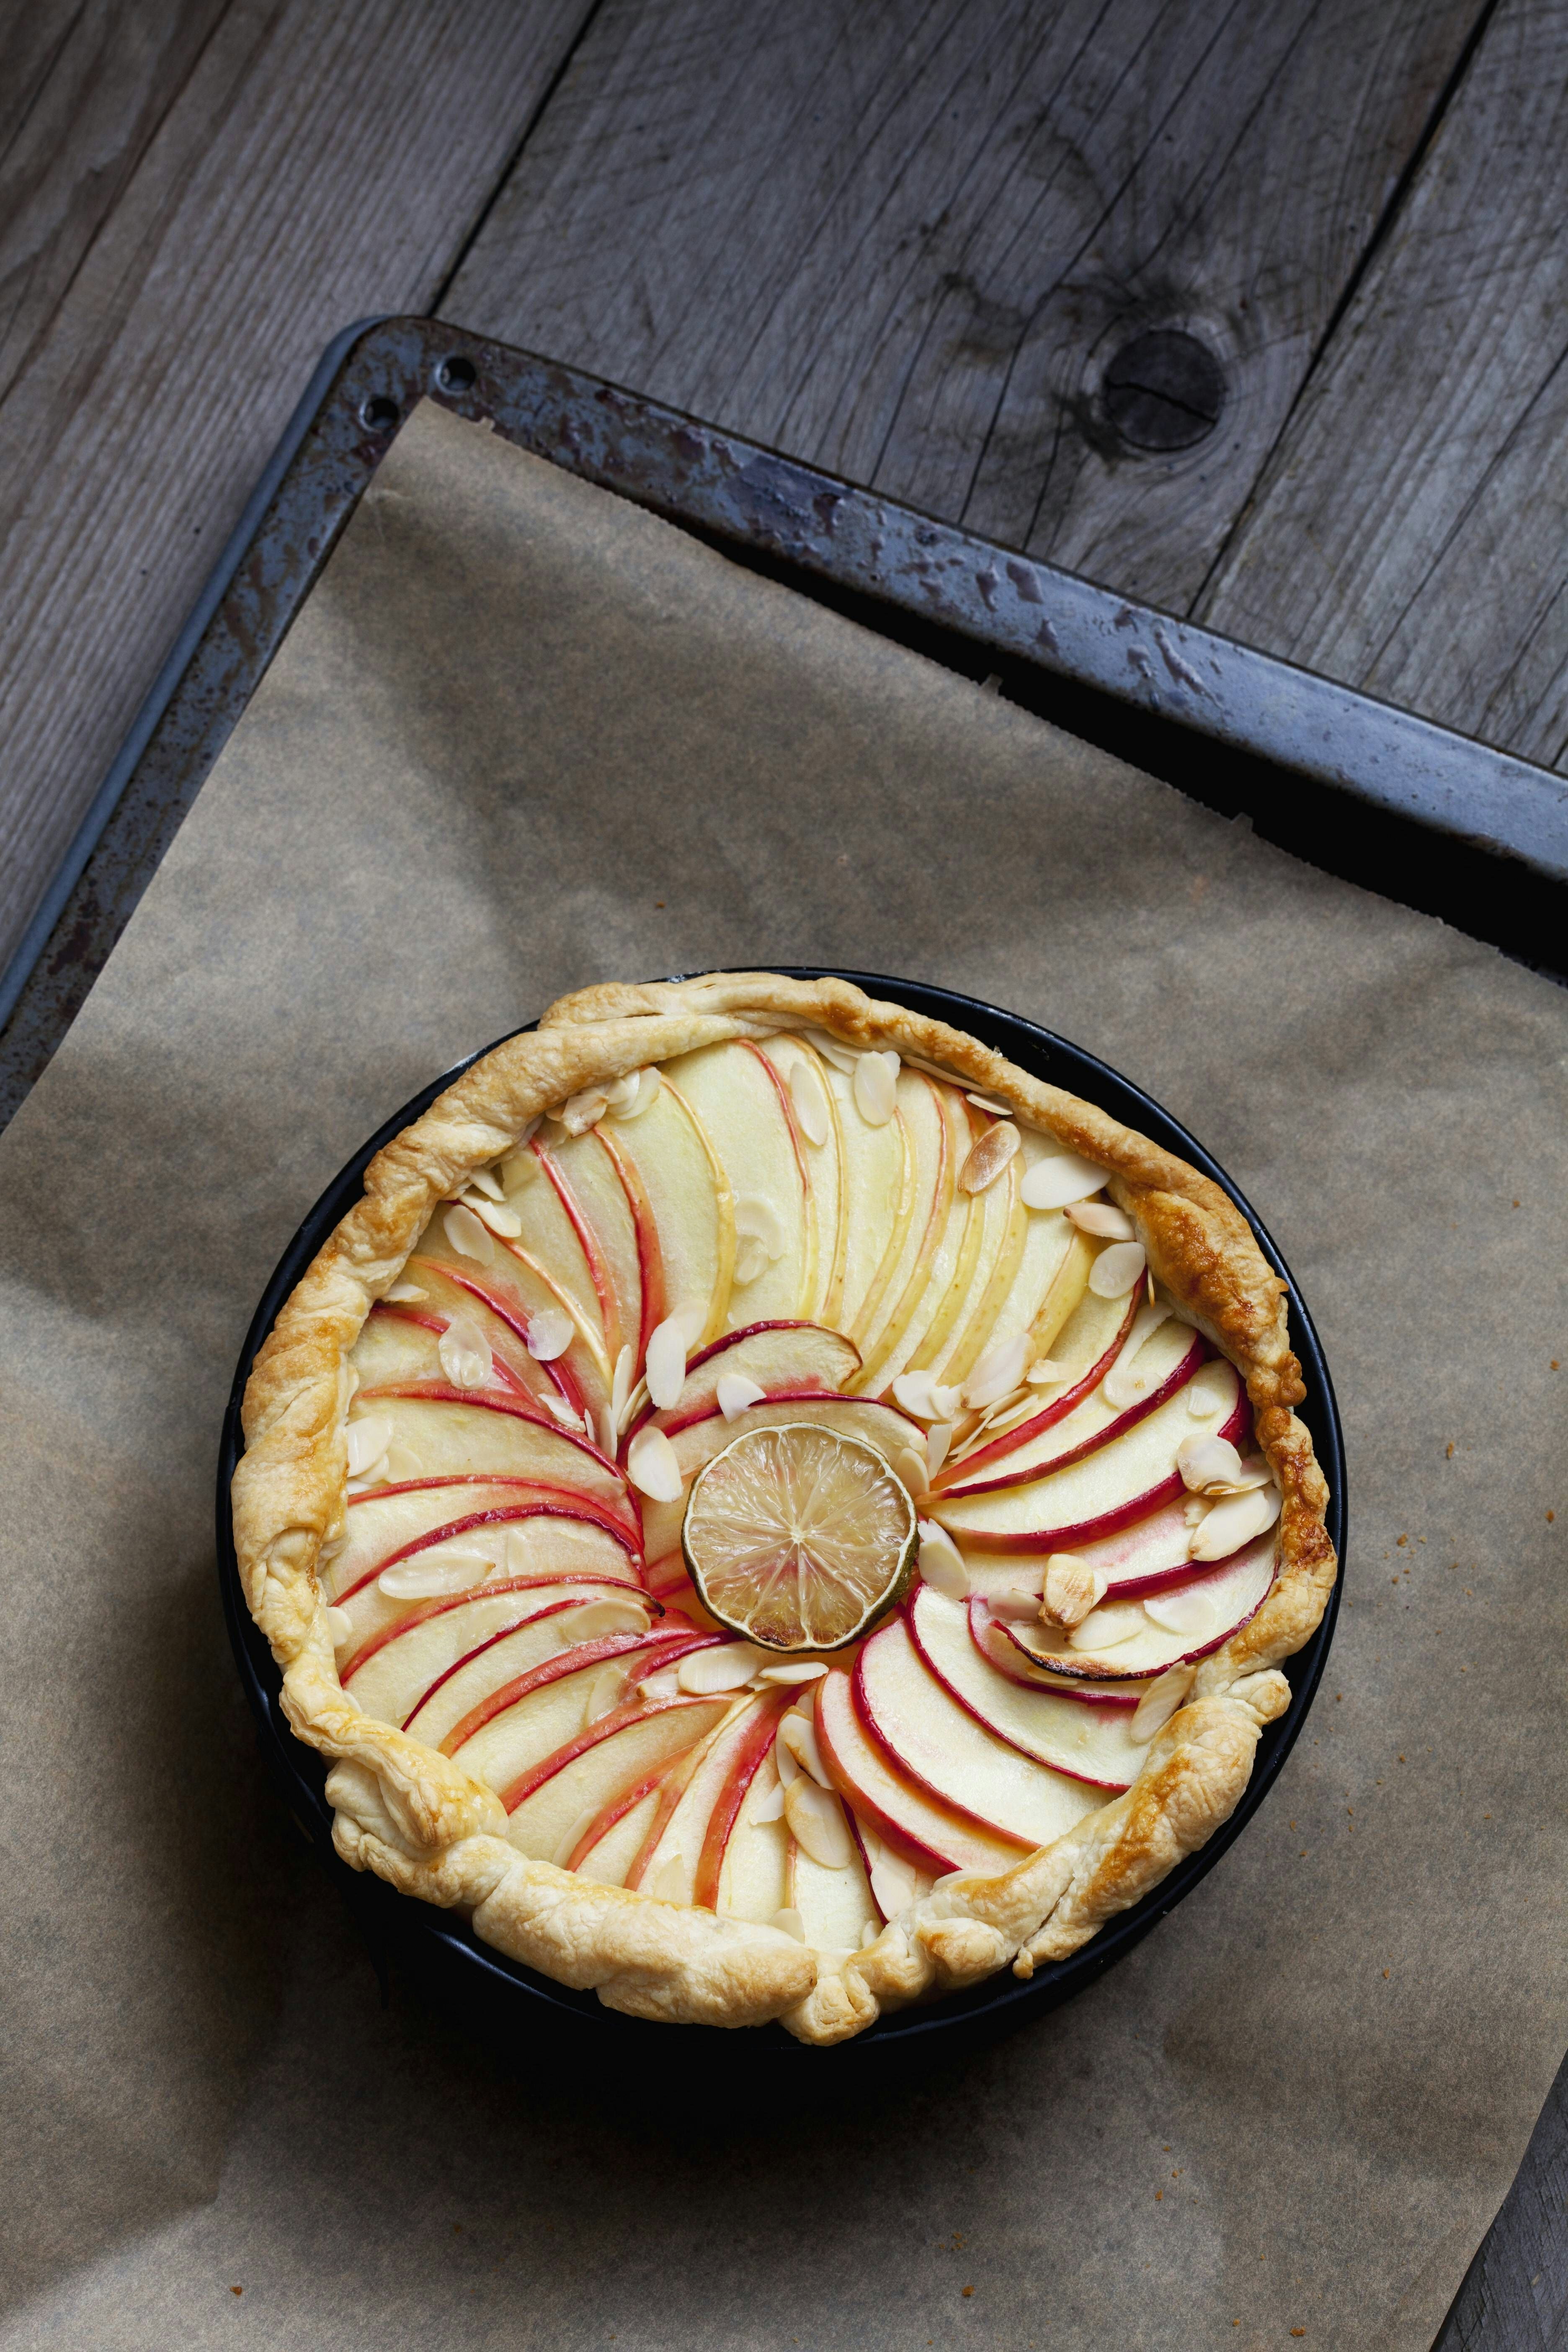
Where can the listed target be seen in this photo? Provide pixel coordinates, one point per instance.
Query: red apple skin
(442, 1393)
(1049, 1414)
(569, 1506)
(1086, 1779)
(839, 1726)
(933, 1796)
(661, 1650)
(598, 1270)
(385, 1312)
(650, 1257)
(440, 1602)
(1035, 1541)
(1196, 1357)
(981, 1620)
(607, 1726)
(855, 1800)
(747, 1763)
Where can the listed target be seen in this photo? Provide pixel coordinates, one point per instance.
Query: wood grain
(1408, 533)
(1515, 2294)
(239, 183)
(903, 238)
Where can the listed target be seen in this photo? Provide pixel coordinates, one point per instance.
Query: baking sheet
(524, 737)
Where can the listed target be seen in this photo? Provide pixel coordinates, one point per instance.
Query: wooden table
(1250, 309)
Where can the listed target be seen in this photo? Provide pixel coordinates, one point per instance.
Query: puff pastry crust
(425, 1826)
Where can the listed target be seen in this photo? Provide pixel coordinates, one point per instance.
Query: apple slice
(754, 1878)
(1048, 1280)
(784, 1358)
(1124, 1638)
(835, 1906)
(933, 1134)
(881, 1188)
(1088, 1743)
(615, 1837)
(741, 1103)
(991, 1637)
(683, 1856)
(520, 1721)
(1173, 1356)
(814, 1113)
(431, 1635)
(1127, 1478)
(1000, 1225)
(603, 1215)
(564, 1806)
(921, 1335)
(682, 1186)
(930, 1835)
(939, 1744)
(1091, 1342)
(453, 1433)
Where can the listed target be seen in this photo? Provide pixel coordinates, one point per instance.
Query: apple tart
(772, 1512)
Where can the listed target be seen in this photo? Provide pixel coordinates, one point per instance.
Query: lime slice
(799, 1537)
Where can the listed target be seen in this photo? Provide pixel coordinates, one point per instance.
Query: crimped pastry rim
(419, 1823)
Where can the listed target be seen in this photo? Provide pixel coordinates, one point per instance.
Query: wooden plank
(1408, 532)
(1515, 2294)
(82, 91)
(274, 169)
(902, 238)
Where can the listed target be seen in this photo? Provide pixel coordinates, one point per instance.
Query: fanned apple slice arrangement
(781, 1481)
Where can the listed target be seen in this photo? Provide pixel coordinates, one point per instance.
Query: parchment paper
(524, 737)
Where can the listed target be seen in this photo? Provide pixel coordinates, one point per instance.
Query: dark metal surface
(443, 1956)
(1390, 800)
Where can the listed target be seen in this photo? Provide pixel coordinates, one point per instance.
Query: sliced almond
(797, 1736)
(403, 1465)
(1055, 1184)
(1234, 1521)
(550, 1333)
(751, 1262)
(495, 1215)
(767, 1808)
(938, 1437)
(367, 1442)
(620, 1385)
(1191, 1612)
(661, 1684)
(466, 1235)
(816, 1823)
(624, 1090)
(1160, 1702)
(340, 1626)
(1117, 1270)
(810, 1103)
(1045, 1373)
(1069, 1590)
(1123, 1385)
(876, 1088)
(1100, 1217)
(405, 1294)
(604, 1696)
(759, 1219)
(727, 1667)
(438, 1572)
(911, 1468)
(561, 1411)
(791, 1922)
(894, 1882)
(985, 1102)
(842, 1057)
(785, 1760)
(631, 1096)
(734, 1394)
(806, 1670)
(925, 1397)
(998, 1373)
(988, 1156)
(583, 1110)
(652, 1466)
(1106, 1629)
(1016, 1605)
(465, 1353)
(487, 1181)
(594, 1619)
(1207, 1462)
(942, 1563)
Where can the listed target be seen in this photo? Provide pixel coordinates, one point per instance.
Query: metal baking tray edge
(1388, 798)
